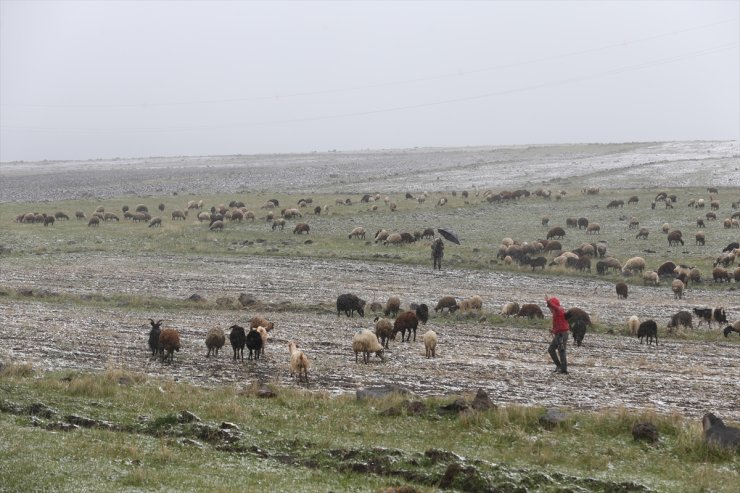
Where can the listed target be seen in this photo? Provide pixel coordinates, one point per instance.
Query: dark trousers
(557, 348)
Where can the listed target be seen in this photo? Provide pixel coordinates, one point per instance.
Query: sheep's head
(155, 325)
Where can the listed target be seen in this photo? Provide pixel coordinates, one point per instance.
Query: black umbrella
(449, 235)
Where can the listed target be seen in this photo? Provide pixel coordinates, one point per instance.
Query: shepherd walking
(559, 332)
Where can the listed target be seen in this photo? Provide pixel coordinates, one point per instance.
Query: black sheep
(254, 343)
(422, 313)
(578, 328)
(717, 434)
(711, 315)
(349, 303)
(649, 330)
(238, 339)
(154, 337)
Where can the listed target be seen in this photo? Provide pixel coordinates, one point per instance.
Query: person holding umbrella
(559, 333)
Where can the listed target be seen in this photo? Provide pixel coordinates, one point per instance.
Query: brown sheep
(510, 308)
(301, 228)
(593, 228)
(384, 331)
(448, 302)
(392, 306)
(651, 277)
(258, 321)
(169, 342)
(406, 321)
(642, 234)
(556, 232)
(94, 221)
(530, 310)
(675, 237)
(677, 286)
(178, 214)
(699, 238)
(156, 222)
(358, 232)
(215, 340)
(299, 363)
(720, 274)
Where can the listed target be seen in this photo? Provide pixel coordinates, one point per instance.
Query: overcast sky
(103, 79)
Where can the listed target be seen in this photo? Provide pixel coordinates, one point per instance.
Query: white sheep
(430, 343)
(366, 342)
(633, 264)
(263, 334)
(650, 277)
(632, 325)
(476, 302)
(510, 309)
(299, 363)
(677, 287)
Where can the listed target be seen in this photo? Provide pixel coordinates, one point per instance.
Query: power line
(416, 80)
(570, 80)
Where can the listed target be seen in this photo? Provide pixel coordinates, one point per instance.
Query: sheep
(736, 274)
(632, 325)
(430, 343)
(299, 363)
(695, 275)
(727, 223)
(633, 200)
(156, 222)
(263, 335)
(509, 309)
(448, 302)
(578, 329)
(79, 215)
(178, 214)
(169, 342)
(622, 290)
(699, 238)
(384, 331)
(682, 318)
(94, 222)
(717, 434)
(556, 232)
(422, 313)
(732, 328)
(665, 228)
(649, 330)
(535, 262)
(392, 306)
(393, 239)
(667, 269)
(301, 228)
(154, 337)
(238, 339)
(675, 237)
(381, 235)
(366, 342)
(720, 274)
(215, 340)
(635, 264)
(650, 277)
(358, 232)
(476, 302)
(643, 234)
(582, 223)
(258, 321)
(349, 303)
(203, 217)
(48, 220)
(278, 223)
(217, 225)
(593, 228)
(530, 310)
(731, 246)
(253, 341)
(405, 321)
(61, 215)
(573, 314)
(710, 315)
(677, 287)
(634, 223)
(376, 307)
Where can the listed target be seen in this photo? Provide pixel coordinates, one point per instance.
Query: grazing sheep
(574, 313)
(258, 321)
(582, 223)
(510, 309)
(530, 310)
(381, 235)
(215, 340)
(717, 434)
(392, 306)
(299, 363)
(217, 225)
(61, 215)
(732, 328)
(593, 229)
(720, 274)
(731, 246)
(633, 200)
(699, 238)
(556, 232)
(476, 302)
(169, 342)
(79, 215)
(263, 334)
(253, 341)
(695, 275)
(393, 239)
(407, 321)
(682, 318)
(667, 269)
(156, 222)
(677, 287)
(376, 307)
(430, 343)
(675, 237)
(154, 336)
(710, 315)
(633, 265)
(448, 302)
(94, 221)
(349, 303)
(358, 232)
(366, 342)
(48, 220)
(238, 339)
(203, 217)
(650, 277)
(384, 331)
(632, 325)
(301, 228)
(535, 262)
(622, 290)
(643, 234)
(422, 312)
(665, 228)
(179, 215)
(278, 223)
(649, 330)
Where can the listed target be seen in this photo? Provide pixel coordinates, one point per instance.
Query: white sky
(103, 79)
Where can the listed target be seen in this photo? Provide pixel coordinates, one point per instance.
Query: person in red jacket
(559, 332)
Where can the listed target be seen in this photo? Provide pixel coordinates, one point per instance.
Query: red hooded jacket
(559, 324)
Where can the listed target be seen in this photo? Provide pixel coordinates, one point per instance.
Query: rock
(380, 392)
(229, 426)
(266, 393)
(482, 402)
(246, 300)
(81, 421)
(456, 407)
(190, 441)
(552, 418)
(416, 407)
(645, 431)
(463, 478)
(187, 417)
(437, 455)
(196, 298)
(224, 301)
(41, 409)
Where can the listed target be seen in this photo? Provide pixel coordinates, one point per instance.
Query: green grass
(313, 441)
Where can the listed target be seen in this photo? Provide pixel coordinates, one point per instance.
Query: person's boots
(563, 363)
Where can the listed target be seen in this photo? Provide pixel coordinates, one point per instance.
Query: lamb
(717, 434)
(238, 340)
(358, 232)
(366, 342)
(622, 290)
(635, 264)
(215, 340)
(633, 324)
(349, 303)
(253, 341)
(530, 310)
(154, 337)
(405, 321)
(677, 287)
(709, 315)
(263, 335)
(430, 343)
(732, 328)
(299, 363)
(509, 309)
(649, 330)
(169, 342)
(258, 321)
(384, 331)
(682, 318)
(392, 306)
(448, 302)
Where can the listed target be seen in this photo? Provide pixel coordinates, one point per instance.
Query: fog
(87, 80)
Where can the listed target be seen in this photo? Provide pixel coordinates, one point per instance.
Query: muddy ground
(510, 363)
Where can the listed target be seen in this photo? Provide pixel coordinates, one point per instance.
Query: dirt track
(687, 377)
